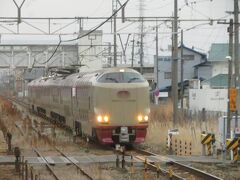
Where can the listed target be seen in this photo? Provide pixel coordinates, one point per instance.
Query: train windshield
(121, 77)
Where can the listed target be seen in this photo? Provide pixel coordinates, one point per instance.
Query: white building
(191, 59)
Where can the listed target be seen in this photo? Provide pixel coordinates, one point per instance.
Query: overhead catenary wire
(84, 35)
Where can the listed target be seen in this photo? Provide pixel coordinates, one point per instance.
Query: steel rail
(164, 171)
(47, 164)
(58, 150)
(190, 169)
(83, 172)
(198, 172)
(184, 167)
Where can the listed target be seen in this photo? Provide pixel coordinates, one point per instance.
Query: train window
(130, 77)
(110, 78)
(121, 77)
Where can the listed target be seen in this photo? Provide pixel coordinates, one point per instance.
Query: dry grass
(189, 125)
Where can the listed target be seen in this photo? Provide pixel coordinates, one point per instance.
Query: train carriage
(111, 105)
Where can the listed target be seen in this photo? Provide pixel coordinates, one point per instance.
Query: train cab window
(121, 77)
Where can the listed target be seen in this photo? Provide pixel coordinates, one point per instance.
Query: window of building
(164, 58)
(167, 75)
(188, 57)
(148, 70)
(167, 59)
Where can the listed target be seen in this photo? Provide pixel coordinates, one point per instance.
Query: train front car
(121, 107)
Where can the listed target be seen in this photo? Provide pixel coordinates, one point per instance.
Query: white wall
(210, 99)
(219, 68)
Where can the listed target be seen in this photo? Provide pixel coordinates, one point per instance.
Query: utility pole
(175, 65)
(141, 28)
(230, 53)
(236, 42)
(157, 53)
(182, 70)
(114, 34)
(141, 48)
(133, 44)
(236, 53)
(115, 42)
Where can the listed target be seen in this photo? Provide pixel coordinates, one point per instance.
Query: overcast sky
(210, 8)
(200, 37)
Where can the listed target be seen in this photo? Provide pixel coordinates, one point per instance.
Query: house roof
(202, 64)
(194, 51)
(218, 81)
(203, 55)
(218, 52)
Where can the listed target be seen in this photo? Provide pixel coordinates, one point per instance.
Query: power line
(84, 35)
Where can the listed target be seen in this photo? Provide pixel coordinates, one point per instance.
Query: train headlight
(145, 118)
(140, 118)
(106, 119)
(99, 118)
(103, 119)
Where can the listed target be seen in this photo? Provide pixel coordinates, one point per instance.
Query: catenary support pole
(175, 65)
(230, 53)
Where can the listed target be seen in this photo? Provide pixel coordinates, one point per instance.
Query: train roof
(69, 80)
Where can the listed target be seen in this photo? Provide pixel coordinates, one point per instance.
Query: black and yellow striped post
(233, 144)
(207, 139)
(209, 149)
(235, 154)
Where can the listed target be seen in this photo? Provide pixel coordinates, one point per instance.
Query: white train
(111, 105)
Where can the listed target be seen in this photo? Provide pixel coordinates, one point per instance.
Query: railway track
(39, 154)
(75, 164)
(174, 170)
(47, 164)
